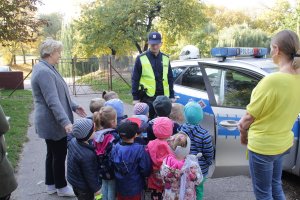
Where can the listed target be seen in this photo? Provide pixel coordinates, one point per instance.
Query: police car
(223, 87)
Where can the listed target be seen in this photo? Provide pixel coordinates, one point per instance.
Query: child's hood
(158, 150)
(99, 135)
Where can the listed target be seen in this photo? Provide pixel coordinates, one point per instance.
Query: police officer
(152, 74)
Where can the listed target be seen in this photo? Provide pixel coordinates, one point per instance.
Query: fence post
(73, 75)
(110, 86)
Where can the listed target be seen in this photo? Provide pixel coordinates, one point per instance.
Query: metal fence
(96, 74)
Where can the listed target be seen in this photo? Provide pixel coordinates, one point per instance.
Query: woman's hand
(81, 112)
(69, 128)
(243, 136)
(243, 126)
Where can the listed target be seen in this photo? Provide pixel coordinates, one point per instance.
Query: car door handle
(229, 124)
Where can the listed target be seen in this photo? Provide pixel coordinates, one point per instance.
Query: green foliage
(53, 25)
(221, 17)
(278, 17)
(18, 108)
(122, 25)
(68, 38)
(243, 36)
(18, 22)
(97, 33)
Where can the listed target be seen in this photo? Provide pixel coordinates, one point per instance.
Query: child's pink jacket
(158, 150)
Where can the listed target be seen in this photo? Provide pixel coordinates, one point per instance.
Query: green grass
(101, 83)
(18, 108)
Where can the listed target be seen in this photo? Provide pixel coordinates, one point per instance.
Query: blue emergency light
(223, 52)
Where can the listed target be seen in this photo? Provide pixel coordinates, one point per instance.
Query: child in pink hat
(159, 150)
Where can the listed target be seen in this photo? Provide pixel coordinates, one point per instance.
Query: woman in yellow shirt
(271, 114)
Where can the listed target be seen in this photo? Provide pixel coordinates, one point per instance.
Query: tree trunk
(15, 60)
(113, 52)
(138, 47)
(24, 56)
(11, 60)
(146, 45)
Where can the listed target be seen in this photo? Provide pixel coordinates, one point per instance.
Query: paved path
(31, 171)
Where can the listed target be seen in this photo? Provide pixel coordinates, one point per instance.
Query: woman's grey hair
(49, 46)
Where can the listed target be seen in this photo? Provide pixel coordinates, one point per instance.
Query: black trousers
(83, 195)
(7, 197)
(55, 162)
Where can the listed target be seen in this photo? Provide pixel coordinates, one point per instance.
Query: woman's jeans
(266, 174)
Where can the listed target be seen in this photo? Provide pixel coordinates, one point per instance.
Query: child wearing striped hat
(82, 162)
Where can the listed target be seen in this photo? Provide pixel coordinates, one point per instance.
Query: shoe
(51, 189)
(65, 192)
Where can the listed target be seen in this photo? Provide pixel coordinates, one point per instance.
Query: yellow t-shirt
(275, 105)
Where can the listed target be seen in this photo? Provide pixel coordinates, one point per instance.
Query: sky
(71, 8)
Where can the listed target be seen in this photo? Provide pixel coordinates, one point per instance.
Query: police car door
(229, 92)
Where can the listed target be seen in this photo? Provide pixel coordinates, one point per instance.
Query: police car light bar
(224, 52)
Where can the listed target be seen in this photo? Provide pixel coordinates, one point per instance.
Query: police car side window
(237, 89)
(177, 71)
(193, 78)
(214, 76)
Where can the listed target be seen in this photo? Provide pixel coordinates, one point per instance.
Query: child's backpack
(103, 142)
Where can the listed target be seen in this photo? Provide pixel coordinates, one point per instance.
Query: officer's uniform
(155, 74)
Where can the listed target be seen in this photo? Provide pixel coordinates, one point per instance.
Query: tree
(278, 17)
(221, 17)
(18, 22)
(53, 25)
(97, 36)
(135, 19)
(243, 36)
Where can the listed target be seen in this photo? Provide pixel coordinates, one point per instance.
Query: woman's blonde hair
(49, 46)
(104, 118)
(288, 43)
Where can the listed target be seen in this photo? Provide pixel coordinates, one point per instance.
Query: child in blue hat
(118, 105)
(201, 140)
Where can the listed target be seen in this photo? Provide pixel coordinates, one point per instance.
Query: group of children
(112, 156)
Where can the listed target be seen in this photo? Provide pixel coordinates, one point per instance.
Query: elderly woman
(7, 179)
(273, 109)
(53, 115)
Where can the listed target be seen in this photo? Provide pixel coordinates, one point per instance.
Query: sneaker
(51, 189)
(65, 192)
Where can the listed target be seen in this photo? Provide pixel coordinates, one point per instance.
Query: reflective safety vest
(148, 77)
